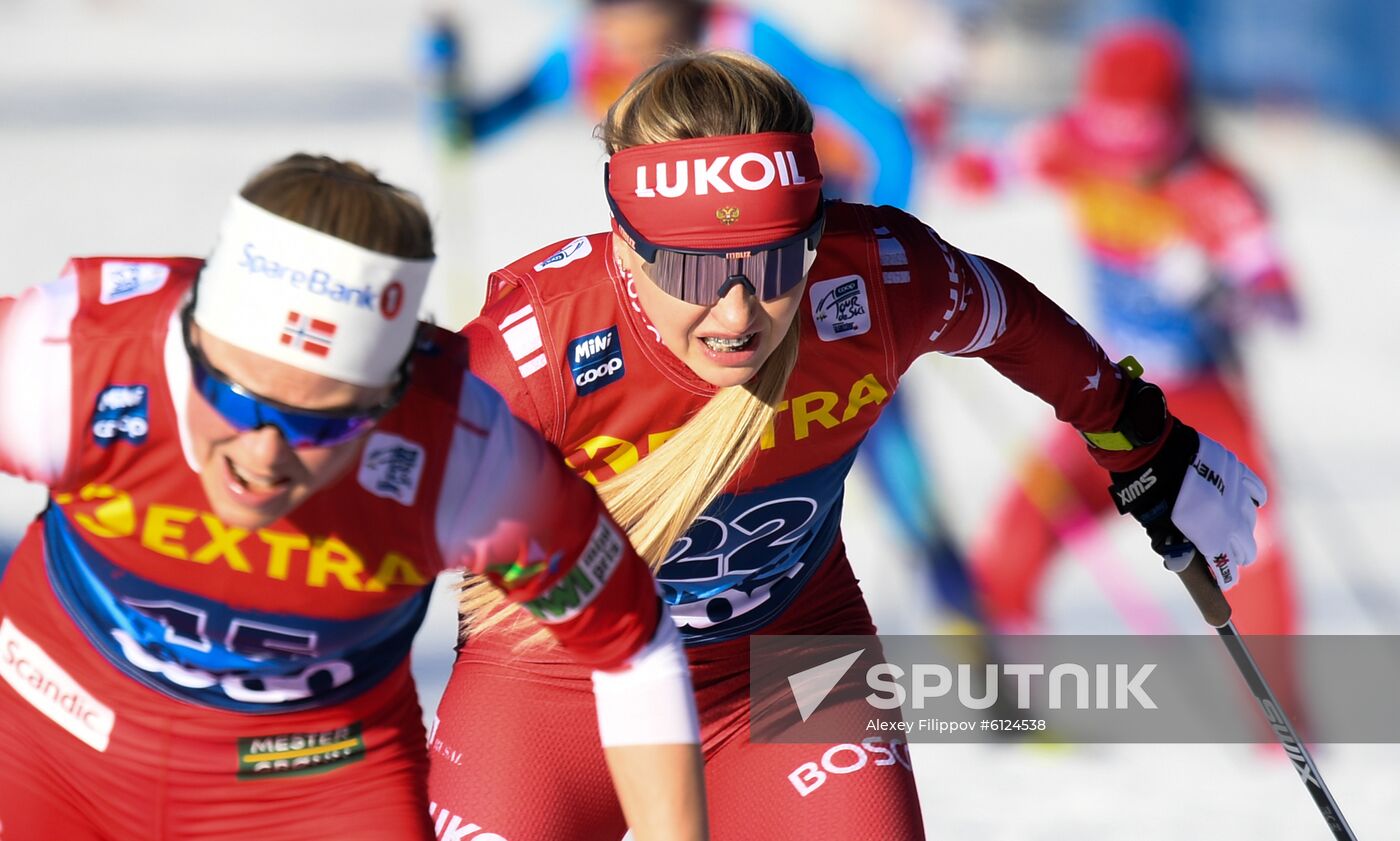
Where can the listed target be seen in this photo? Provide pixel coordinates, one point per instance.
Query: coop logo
(120, 415)
(299, 754)
(596, 360)
(576, 250)
(388, 301)
(840, 308)
(123, 280)
(30, 671)
(747, 171)
(392, 467)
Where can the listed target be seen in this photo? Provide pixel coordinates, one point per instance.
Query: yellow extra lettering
(280, 546)
(864, 392)
(114, 518)
(165, 524)
(223, 543)
(623, 455)
(803, 412)
(395, 569)
(331, 557)
(770, 435)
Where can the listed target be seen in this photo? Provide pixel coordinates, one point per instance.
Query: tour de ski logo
(596, 360)
(392, 467)
(840, 308)
(125, 279)
(576, 250)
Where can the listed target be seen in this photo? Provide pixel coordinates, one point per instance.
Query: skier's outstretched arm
(1182, 486)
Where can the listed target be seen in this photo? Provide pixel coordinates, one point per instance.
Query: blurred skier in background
(1181, 258)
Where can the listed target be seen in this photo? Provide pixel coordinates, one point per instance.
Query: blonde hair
(688, 95)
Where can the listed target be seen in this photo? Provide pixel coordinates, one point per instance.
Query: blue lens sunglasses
(246, 411)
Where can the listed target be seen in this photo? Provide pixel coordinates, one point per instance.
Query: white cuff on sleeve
(649, 701)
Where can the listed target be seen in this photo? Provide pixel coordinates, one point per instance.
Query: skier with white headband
(713, 363)
(257, 466)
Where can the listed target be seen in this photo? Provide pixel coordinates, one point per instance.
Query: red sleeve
(506, 347)
(960, 304)
(575, 572)
(548, 540)
(515, 513)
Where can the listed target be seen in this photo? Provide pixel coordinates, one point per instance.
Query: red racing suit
(166, 674)
(563, 338)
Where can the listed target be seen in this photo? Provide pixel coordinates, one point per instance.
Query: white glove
(1216, 509)
(1211, 495)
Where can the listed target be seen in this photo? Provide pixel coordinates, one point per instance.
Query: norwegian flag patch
(309, 334)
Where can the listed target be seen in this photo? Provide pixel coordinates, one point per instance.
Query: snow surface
(126, 124)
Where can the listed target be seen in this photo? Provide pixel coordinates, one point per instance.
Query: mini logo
(309, 334)
(576, 250)
(391, 300)
(121, 281)
(840, 308)
(596, 360)
(120, 415)
(30, 671)
(392, 467)
(299, 754)
(727, 215)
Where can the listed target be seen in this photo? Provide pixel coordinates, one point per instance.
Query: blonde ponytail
(657, 499)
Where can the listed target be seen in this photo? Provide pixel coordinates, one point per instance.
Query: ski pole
(1216, 611)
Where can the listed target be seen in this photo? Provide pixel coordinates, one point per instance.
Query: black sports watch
(1144, 415)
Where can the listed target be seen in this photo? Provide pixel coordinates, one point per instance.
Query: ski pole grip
(1215, 609)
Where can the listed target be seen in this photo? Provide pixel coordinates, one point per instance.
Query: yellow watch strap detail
(1116, 441)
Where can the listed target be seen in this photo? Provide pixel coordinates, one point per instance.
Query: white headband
(302, 297)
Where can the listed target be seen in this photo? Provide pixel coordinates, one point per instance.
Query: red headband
(718, 192)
